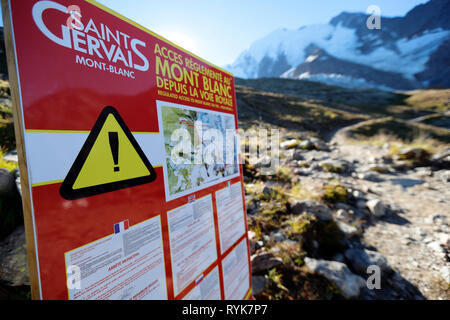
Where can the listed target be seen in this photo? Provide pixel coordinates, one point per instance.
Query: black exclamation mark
(114, 144)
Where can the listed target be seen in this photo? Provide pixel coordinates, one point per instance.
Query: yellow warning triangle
(110, 159)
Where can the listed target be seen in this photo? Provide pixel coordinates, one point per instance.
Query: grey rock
(380, 168)
(264, 261)
(349, 284)
(369, 176)
(444, 155)
(435, 246)
(337, 166)
(252, 241)
(269, 192)
(18, 184)
(443, 175)
(289, 155)
(444, 239)
(348, 230)
(251, 204)
(314, 208)
(358, 194)
(11, 156)
(320, 145)
(424, 172)
(262, 162)
(7, 181)
(13, 259)
(361, 204)
(341, 214)
(303, 164)
(289, 144)
(445, 274)
(278, 236)
(360, 259)
(298, 155)
(410, 153)
(306, 144)
(376, 207)
(302, 172)
(259, 284)
(343, 206)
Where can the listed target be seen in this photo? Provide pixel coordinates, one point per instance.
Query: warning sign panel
(97, 169)
(129, 159)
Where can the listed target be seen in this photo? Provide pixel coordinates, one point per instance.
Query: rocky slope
(354, 188)
(408, 52)
(334, 209)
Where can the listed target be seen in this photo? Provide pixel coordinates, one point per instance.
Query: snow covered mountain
(408, 52)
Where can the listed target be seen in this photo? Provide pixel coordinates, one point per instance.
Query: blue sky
(219, 30)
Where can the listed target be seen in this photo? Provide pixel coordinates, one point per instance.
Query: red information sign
(128, 145)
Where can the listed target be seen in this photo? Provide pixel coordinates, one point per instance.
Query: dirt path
(414, 236)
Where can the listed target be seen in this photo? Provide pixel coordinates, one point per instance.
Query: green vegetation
(301, 192)
(404, 105)
(5, 91)
(10, 166)
(284, 174)
(399, 130)
(334, 193)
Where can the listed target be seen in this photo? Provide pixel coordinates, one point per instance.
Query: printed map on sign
(200, 145)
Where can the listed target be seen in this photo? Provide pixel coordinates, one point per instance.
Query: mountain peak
(412, 49)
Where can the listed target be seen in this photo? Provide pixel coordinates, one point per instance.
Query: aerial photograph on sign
(209, 129)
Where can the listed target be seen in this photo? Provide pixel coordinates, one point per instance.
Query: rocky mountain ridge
(413, 48)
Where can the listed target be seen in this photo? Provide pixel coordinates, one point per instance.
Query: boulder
(361, 259)
(320, 145)
(376, 207)
(341, 214)
(262, 162)
(251, 204)
(417, 154)
(423, 172)
(298, 155)
(445, 274)
(264, 261)
(259, 284)
(278, 236)
(269, 192)
(289, 144)
(18, 185)
(436, 246)
(443, 175)
(11, 156)
(13, 259)
(369, 176)
(348, 230)
(379, 168)
(348, 283)
(306, 145)
(314, 208)
(444, 155)
(7, 181)
(358, 194)
(252, 241)
(337, 166)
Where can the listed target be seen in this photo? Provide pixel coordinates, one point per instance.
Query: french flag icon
(121, 226)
